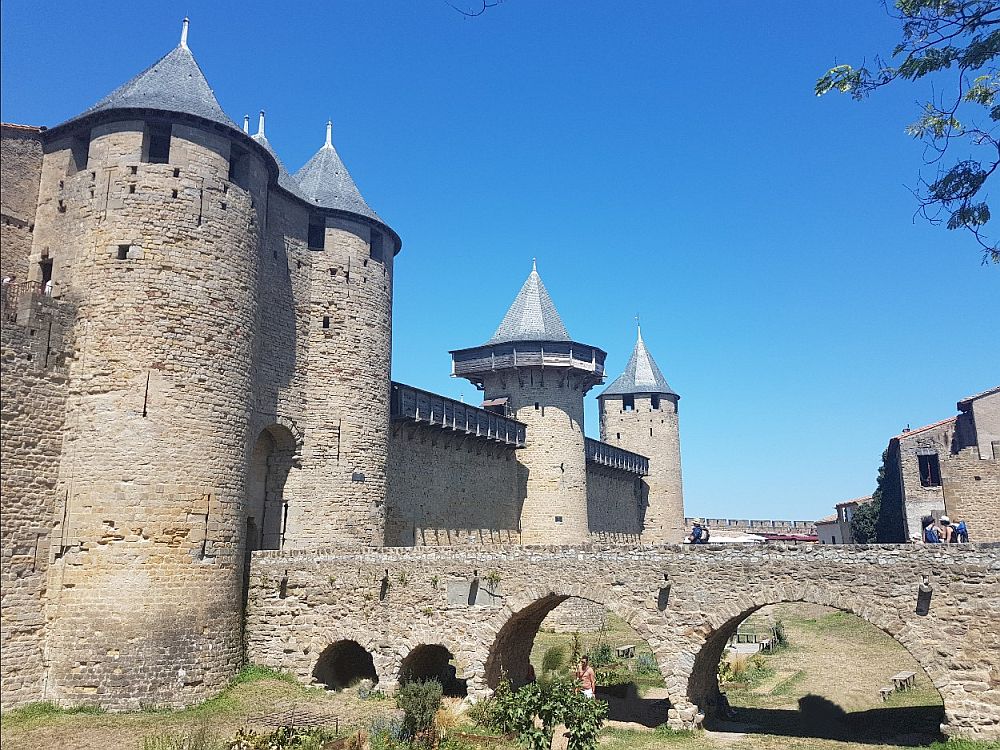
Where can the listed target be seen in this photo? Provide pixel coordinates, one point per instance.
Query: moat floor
(835, 658)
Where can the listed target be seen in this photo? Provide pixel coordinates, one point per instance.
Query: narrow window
(618, 436)
(376, 245)
(133, 170)
(157, 143)
(317, 234)
(651, 432)
(628, 403)
(930, 470)
(654, 402)
(238, 172)
(173, 193)
(123, 252)
(131, 188)
(558, 519)
(177, 172)
(536, 406)
(333, 271)
(45, 266)
(79, 154)
(326, 321)
(833, 539)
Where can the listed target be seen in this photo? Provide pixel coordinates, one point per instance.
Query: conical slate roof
(532, 316)
(326, 182)
(174, 83)
(285, 178)
(641, 375)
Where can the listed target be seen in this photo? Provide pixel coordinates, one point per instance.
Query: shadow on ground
(625, 704)
(818, 717)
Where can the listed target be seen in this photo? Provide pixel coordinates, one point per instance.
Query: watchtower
(638, 412)
(533, 368)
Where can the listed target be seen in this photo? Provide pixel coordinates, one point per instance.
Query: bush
(198, 739)
(645, 664)
(554, 659)
(280, 739)
(385, 733)
(602, 655)
(420, 701)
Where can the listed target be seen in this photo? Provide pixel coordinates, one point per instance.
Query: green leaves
(938, 36)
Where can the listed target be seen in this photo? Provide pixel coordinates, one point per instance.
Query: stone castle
(205, 458)
(196, 356)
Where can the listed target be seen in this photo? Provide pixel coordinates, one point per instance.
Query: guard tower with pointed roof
(638, 412)
(533, 366)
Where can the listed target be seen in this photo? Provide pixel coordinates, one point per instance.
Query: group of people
(699, 533)
(944, 531)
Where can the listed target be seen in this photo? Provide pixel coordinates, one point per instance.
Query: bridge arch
(518, 622)
(693, 684)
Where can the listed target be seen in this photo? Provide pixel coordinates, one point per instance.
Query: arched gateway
(685, 601)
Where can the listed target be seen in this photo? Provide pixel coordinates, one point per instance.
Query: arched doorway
(343, 664)
(806, 670)
(270, 462)
(433, 662)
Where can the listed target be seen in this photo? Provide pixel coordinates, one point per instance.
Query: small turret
(533, 365)
(638, 412)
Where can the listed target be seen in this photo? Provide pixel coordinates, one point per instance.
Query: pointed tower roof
(532, 316)
(326, 182)
(285, 178)
(174, 83)
(641, 375)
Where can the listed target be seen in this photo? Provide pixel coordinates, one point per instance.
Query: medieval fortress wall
(196, 365)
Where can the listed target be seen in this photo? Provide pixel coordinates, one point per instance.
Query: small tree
(420, 702)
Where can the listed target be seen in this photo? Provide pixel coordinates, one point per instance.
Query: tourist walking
(588, 679)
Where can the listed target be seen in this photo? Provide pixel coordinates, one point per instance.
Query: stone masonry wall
(614, 504)
(33, 392)
(576, 615)
(445, 488)
(685, 601)
(554, 461)
(919, 501)
(161, 262)
(986, 414)
(339, 493)
(972, 492)
(20, 171)
(654, 433)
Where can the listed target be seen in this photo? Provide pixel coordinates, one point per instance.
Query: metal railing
(615, 457)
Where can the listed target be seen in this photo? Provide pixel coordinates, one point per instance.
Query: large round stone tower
(339, 494)
(149, 225)
(533, 367)
(638, 412)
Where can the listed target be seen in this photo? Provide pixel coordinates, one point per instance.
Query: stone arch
(519, 621)
(344, 663)
(698, 691)
(432, 661)
(270, 460)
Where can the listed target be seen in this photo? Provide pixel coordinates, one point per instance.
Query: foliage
(780, 638)
(385, 733)
(743, 668)
(284, 738)
(614, 675)
(602, 655)
(254, 673)
(880, 520)
(420, 701)
(554, 659)
(548, 702)
(958, 40)
(960, 744)
(577, 649)
(197, 739)
(645, 664)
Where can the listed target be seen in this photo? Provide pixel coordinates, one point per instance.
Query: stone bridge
(484, 605)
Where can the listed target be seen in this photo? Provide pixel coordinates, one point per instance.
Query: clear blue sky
(666, 159)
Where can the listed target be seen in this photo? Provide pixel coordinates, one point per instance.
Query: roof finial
(184, 32)
(534, 266)
(638, 328)
(329, 134)
(260, 124)
(246, 124)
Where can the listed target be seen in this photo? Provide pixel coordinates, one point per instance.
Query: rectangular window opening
(317, 234)
(559, 519)
(326, 321)
(238, 168)
(173, 193)
(131, 188)
(536, 406)
(654, 402)
(123, 252)
(375, 250)
(628, 403)
(79, 154)
(177, 172)
(156, 145)
(930, 470)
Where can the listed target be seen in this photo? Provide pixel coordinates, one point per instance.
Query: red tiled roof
(856, 501)
(926, 427)
(15, 126)
(832, 518)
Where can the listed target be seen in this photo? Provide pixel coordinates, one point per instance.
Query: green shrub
(280, 739)
(645, 664)
(554, 659)
(419, 701)
(602, 655)
(198, 739)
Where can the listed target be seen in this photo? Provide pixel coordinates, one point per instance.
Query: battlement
(751, 525)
